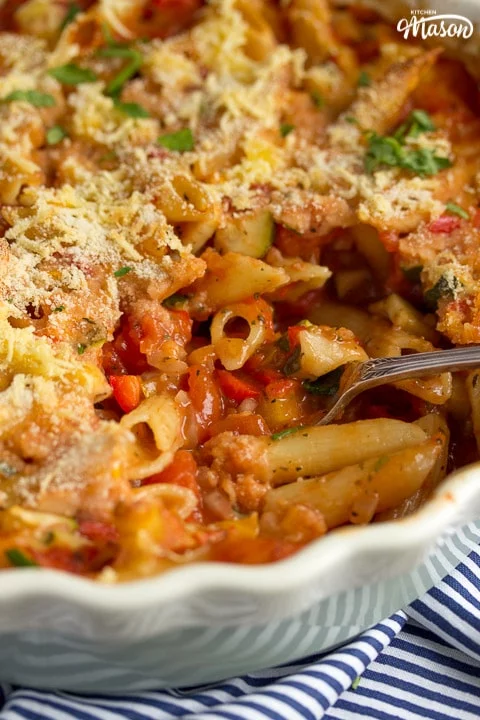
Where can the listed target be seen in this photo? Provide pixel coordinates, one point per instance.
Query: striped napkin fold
(421, 663)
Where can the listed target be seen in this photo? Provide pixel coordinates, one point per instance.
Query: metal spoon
(358, 377)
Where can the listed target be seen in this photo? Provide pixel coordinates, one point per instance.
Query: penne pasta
(316, 450)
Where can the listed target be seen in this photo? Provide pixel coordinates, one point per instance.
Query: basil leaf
(18, 558)
(174, 300)
(326, 385)
(33, 97)
(317, 99)
(55, 135)
(71, 74)
(286, 129)
(285, 433)
(389, 151)
(131, 109)
(131, 68)
(364, 79)
(443, 288)
(122, 271)
(71, 14)
(293, 363)
(181, 141)
(457, 210)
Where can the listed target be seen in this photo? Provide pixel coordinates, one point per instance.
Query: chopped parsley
(71, 74)
(33, 97)
(59, 308)
(55, 135)
(180, 141)
(286, 129)
(317, 99)
(293, 363)
(457, 210)
(72, 12)
(383, 460)
(285, 433)
(390, 151)
(443, 288)
(130, 69)
(326, 385)
(364, 79)
(18, 558)
(174, 300)
(122, 271)
(351, 119)
(131, 109)
(81, 348)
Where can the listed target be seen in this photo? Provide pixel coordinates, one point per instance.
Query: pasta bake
(207, 212)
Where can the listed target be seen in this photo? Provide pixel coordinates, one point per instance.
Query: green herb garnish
(55, 135)
(175, 299)
(59, 308)
(33, 97)
(317, 99)
(122, 271)
(71, 74)
(356, 683)
(129, 70)
(71, 14)
(131, 109)
(286, 129)
(350, 119)
(443, 288)
(285, 433)
(383, 460)
(181, 141)
(18, 558)
(326, 385)
(390, 151)
(293, 363)
(81, 348)
(364, 79)
(457, 210)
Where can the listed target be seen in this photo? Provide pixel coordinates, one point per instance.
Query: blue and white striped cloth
(421, 663)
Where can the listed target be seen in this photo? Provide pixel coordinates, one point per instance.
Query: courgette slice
(250, 235)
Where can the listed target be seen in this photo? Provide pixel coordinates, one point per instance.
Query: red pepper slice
(127, 391)
(444, 224)
(235, 388)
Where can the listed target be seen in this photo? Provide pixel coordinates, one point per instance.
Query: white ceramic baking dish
(201, 623)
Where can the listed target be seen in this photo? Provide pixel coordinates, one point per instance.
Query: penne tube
(316, 450)
(388, 479)
(437, 429)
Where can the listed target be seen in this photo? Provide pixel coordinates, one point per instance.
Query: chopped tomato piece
(235, 388)
(205, 397)
(293, 332)
(181, 471)
(444, 224)
(280, 388)
(98, 531)
(390, 240)
(264, 375)
(127, 391)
